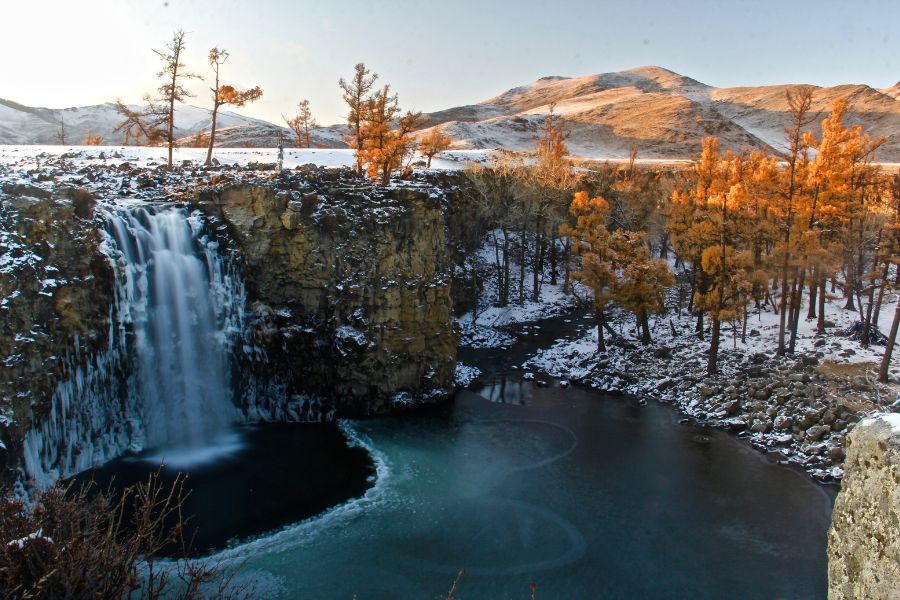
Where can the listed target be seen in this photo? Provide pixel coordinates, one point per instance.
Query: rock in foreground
(864, 540)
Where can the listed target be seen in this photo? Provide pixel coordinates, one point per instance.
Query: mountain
(659, 112)
(21, 124)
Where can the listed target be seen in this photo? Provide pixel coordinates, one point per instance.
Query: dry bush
(84, 543)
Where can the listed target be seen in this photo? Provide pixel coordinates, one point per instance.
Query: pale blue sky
(435, 54)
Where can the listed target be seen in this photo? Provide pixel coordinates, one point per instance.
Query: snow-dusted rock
(864, 539)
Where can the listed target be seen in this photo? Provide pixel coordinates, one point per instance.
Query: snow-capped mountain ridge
(659, 112)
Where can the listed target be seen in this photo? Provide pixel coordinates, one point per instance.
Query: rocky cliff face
(350, 293)
(56, 290)
(864, 540)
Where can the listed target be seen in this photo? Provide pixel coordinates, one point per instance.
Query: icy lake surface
(589, 497)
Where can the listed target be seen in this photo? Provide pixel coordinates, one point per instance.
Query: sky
(438, 54)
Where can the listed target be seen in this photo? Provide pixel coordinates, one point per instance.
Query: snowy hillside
(659, 112)
(28, 125)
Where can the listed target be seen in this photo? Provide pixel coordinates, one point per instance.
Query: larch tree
(172, 91)
(799, 105)
(690, 228)
(434, 142)
(386, 134)
(90, 139)
(591, 242)
(846, 188)
(708, 225)
(640, 279)
(356, 95)
(302, 124)
(555, 181)
(225, 94)
(144, 124)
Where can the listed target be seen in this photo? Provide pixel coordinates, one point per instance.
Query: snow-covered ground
(26, 157)
(489, 327)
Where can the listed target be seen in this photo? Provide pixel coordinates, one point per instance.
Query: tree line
(750, 229)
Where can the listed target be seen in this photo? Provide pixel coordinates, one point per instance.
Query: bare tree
(61, 133)
(301, 123)
(172, 91)
(141, 124)
(225, 94)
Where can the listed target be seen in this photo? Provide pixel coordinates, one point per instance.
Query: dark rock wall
(350, 292)
(56, 291)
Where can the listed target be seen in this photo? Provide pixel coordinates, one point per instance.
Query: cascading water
(164, 383)
(181, 346)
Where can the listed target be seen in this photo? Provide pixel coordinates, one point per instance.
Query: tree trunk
(850, 286)
(699, 329)
(171, 124)
(645, 327)
(506, 274)
(813, 294)
(867, 324)
(884, 275)
(212, 132)
(522, 246)
(744, 326)
(553, 265)
(820, 324)
(536, 267)
(711, 365)
(782, 310)
(795, 310)
(598, 315)
(889, 347)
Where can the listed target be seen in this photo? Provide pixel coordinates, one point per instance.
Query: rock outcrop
(56, 290)
(864, 540)
(350, 292)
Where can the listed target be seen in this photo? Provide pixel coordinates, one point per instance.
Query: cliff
(864, 540)
(56, 290)
(350, 293)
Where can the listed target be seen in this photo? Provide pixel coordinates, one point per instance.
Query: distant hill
(659, 112)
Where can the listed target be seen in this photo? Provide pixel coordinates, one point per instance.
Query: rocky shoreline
(799, 406)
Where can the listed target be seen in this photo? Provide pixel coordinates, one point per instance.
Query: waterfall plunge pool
(267, 476)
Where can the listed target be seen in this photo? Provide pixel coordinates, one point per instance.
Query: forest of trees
(749, 230)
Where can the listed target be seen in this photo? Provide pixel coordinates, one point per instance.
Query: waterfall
(164, 383)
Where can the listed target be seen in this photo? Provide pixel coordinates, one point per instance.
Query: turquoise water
(585, 495)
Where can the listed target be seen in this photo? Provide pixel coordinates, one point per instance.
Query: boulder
(864, 539)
